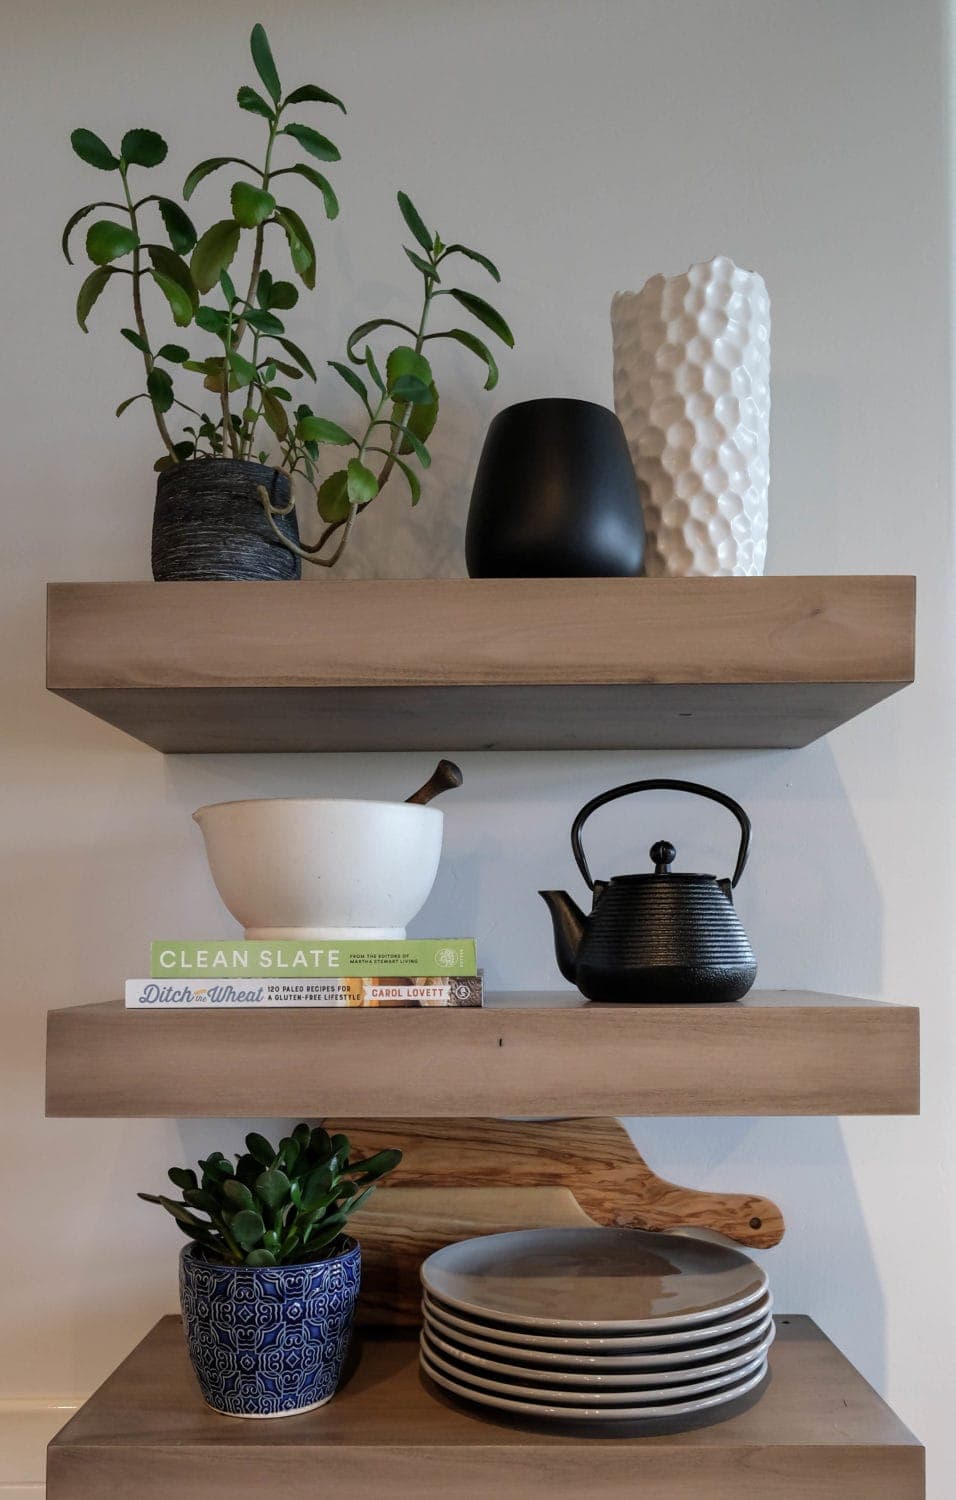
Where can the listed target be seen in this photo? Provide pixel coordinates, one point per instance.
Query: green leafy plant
(252, 356)
(279, 1205)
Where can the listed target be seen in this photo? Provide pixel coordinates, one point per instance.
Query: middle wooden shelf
(524, 1053)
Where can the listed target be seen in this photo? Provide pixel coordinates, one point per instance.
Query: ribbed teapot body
(665, 939)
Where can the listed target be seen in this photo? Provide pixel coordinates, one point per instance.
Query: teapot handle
(693, 787)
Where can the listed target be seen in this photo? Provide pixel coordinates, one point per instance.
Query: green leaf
(175, 353)
(263, 287)
(414, 483)
(356, 1203)
(321, 430)
(264, 322)
(352, 379)
(364, 329)
(237, 1193)
(320, 1142)
(472, 342)
(485, 313)
(404, 361)
(302, 169)
(211, 164)
(143, 148)
(172, 266)
(419, 425)
(376, 1166)
(409, 376)
(264, 61)
(213, 320)
(362, 484)
(310, 93)
(424, 266)
(258, 1147)
(272, 1188)
(332, 497)
(160, 388)
(247, 98)
(179, 226)
(260, 1258)
(414, 221)
(291, 370)
(282, 294)
(89, 292)
(93, 151)
(298, 356)
(71, 223)
(180, 304)
(137, 343)
(411, 442)
(241, 367)
(214, 253)
(301, 248)
(247, 1228)
(106, 241)
(311, 141)
(275, 414)
(375, 373)
(474, 255)
(182, 1178)
(251, 205)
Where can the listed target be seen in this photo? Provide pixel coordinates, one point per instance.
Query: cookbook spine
(350, 992)
(314, 959)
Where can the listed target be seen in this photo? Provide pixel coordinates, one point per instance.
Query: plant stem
(141, 321)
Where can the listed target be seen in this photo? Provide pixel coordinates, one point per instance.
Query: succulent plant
(279, 1205)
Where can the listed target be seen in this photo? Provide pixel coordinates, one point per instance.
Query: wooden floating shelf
(774, 1053)
(819, 1431)
(469, 664)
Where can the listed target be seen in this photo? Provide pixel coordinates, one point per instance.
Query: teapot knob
(663, 855)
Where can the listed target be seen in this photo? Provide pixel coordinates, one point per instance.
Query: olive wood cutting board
(460, 1178)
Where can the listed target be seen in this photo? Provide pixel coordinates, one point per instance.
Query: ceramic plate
(594, 1413)
(573, 1353)
(594, 1281)
(523, 1390)
(634, 1343)
(631, 1380)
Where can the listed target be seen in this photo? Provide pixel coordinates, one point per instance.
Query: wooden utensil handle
(445, 776)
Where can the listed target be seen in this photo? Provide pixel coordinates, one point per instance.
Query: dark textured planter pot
(209, 523)
(555, 496)
(268, 1341)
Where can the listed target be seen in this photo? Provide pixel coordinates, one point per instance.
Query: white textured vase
(692, 390)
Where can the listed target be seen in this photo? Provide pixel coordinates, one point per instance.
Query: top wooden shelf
(459, 664)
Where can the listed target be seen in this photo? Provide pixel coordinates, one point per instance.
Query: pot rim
(307, 802)
(192, 1247)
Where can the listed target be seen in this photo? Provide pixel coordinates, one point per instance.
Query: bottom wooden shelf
(819, 1433)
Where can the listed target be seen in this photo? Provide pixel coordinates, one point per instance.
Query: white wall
(584, 146)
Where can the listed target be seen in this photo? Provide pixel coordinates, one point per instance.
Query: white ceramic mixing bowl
(324, 867)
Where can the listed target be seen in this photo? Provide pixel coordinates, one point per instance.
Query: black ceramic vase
(209, 523)
(555, 496)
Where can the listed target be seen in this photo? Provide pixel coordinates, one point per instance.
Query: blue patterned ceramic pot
(268, 1341)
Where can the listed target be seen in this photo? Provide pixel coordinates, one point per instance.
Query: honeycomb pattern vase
(268, 1341)
(692, 390)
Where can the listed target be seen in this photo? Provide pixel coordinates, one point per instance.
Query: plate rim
(656, 1336)
(611, 1380)
(585, 1325)
(549, 1412)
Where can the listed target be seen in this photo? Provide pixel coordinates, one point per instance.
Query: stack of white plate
(596, 1325)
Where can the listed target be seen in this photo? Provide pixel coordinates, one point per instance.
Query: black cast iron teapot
(660, 938)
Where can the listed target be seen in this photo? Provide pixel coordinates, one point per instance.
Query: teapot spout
(569, 923)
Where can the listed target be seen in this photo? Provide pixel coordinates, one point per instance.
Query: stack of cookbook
(242, 974)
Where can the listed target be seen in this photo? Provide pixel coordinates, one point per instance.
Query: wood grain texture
(818, 1433)
(481, 663)
(775, 1053)
(460, 1178)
